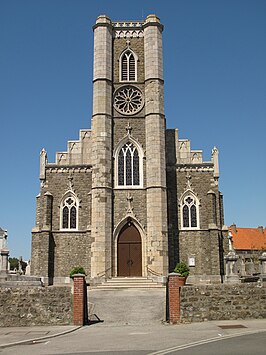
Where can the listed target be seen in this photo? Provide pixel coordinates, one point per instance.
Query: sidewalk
(10, 336)
(152, 338)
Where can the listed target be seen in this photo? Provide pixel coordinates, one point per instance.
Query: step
(129, 282)
(116, 286)
(119, 280)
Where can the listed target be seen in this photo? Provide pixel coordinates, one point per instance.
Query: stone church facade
(129, 198)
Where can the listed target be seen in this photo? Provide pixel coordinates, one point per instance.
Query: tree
(14, 262)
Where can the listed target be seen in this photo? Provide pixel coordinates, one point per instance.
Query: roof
(248, 238)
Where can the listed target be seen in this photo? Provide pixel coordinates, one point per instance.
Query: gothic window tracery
(128, 165)
(128, 100)
(190, 212)
(69, 213)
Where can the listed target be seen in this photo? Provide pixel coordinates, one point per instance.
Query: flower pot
(181, 280)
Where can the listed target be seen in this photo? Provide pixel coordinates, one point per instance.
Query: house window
(128, 167)
(190, 217)
(69, 213)
(128, 66)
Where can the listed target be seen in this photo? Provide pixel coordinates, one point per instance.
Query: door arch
(129, 252)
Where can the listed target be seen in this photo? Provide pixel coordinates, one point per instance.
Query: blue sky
(215, 93)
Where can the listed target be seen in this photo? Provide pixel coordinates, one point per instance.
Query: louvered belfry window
(128, 67)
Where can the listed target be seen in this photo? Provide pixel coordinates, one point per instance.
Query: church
(129, 198)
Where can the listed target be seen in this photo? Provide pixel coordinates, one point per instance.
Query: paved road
(253, 344)
(245, 337)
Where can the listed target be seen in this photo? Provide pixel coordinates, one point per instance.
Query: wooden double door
(129, 252)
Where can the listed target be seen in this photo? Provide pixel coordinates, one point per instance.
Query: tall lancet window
(190, 212)
(69, 213)
(128, 167)
(128, 66)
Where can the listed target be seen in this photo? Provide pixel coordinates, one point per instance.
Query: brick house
(249, 244)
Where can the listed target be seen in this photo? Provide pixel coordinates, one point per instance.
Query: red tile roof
(248, 238)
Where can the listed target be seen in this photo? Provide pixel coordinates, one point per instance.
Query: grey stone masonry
(101, 148)
(218, 302)
(29, 306)
(157, 239)
(206, 244)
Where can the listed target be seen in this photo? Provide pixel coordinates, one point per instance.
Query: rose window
(128, 100)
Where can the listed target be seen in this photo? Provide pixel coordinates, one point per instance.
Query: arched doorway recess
(129, 254)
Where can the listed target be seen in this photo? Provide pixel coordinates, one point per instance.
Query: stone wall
(23, 306)
(218, 302)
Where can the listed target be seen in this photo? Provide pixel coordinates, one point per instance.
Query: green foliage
(13, 263)
(182, 269)
(77, 270)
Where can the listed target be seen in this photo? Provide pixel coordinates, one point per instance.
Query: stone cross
(70, 183)
(188, 177)
(128, 128)
(129, 201)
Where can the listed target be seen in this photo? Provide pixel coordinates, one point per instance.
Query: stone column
(4, 253)
(262, 260)
(157, 238)
(231, 275)
(101, 223)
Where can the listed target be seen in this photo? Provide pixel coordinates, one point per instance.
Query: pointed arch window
(69, 213)
(128, 166)
(190, 212)
(128, 66)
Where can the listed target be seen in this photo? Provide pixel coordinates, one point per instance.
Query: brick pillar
(174, 298)
(79, 299)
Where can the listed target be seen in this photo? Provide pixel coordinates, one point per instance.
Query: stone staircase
(129, 282)
(127, 300)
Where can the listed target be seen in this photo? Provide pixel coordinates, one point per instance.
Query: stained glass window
(135, 168)
(189, 213)
(193, 215)
(128, 165)
(121, 168)
(65, 217)
(73, 217)
(69, 213)
(185, 216)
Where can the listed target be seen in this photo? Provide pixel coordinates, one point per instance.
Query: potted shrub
(77, 270)
(182, 270)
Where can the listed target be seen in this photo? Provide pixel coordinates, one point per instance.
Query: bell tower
(128, 146)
